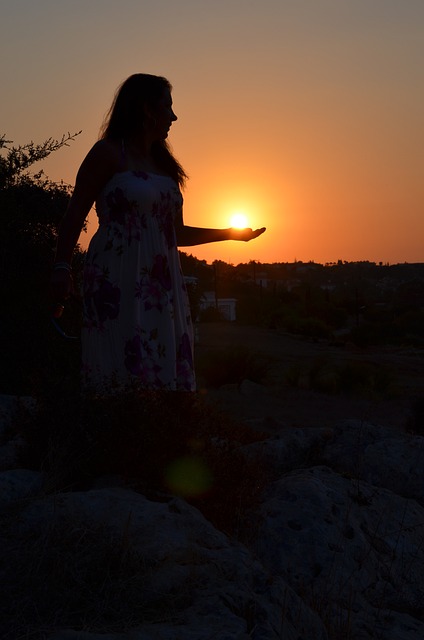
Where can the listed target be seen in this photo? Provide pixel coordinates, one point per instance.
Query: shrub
(310, 327)
(31, 208)
(211, 314)
(351, 377)
(233, 365)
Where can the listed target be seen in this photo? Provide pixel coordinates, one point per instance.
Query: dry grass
(68, 575)
(232, 365)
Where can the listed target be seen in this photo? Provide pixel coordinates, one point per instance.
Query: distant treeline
(362, 302)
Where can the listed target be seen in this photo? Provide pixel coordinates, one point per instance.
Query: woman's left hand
(245, 234)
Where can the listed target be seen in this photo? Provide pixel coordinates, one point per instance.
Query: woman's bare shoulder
(103, 159)
(107, 151)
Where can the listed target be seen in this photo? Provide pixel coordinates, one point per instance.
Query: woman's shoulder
(103, 159)
(106, 151)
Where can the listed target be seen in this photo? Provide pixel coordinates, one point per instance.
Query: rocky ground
(332, 550)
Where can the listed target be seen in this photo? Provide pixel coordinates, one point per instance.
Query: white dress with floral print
(137, 327)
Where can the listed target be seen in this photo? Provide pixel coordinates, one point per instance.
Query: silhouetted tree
(31, 208)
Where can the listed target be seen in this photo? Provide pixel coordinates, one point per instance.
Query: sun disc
(239, 220)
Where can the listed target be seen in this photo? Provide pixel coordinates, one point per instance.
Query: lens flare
(188, 476)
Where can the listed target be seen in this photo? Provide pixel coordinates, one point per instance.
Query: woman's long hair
(126, 117)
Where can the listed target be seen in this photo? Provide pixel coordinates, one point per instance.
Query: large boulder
(353, 551)
(375, 454)
(17, 485)
(380, 456)
(148, 569)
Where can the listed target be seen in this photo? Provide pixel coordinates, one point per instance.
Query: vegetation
(31, 208)
(233, 365)
(351, 377)
(363, 303)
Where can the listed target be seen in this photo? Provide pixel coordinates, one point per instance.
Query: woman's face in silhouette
(164, 115)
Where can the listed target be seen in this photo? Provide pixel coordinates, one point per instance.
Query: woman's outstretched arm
(189, 236)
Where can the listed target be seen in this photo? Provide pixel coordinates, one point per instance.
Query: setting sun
(239, 220)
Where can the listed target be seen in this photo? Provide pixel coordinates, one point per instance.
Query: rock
(353, 551)
(17, 484)
(291, 448)
(377, 455)
(380, 456)
(189, 577)
(335, 547)
(9, 454)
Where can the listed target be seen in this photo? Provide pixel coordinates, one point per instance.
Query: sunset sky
(305, 115)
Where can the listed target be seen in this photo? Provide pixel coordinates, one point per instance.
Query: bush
(365, 377)
(211, 314)
(308, 327)
(31, 208)
(368, 334)
(350, 377)
(232, 366)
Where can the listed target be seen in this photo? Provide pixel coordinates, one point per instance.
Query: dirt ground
(278, 402)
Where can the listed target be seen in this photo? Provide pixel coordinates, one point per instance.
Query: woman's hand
(245, 234)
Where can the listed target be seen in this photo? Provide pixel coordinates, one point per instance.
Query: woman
(137, 327)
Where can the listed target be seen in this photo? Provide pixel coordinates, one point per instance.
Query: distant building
(261, 279)
(226, 306)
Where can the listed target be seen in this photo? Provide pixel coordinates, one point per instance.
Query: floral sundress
(137, 328)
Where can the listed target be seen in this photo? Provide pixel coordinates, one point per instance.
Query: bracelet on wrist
(62, 265)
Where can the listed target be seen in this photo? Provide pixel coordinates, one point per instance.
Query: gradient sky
(305, 114)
